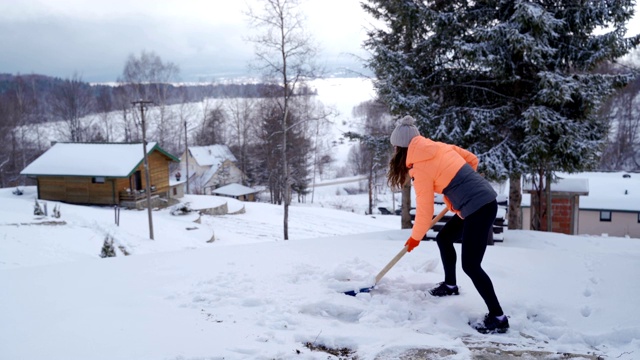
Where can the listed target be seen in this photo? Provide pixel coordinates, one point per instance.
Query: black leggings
(473, 231)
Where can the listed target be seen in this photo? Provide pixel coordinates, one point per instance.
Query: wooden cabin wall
(78, 190)
(158, 172)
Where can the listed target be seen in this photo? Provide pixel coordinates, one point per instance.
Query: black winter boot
(492, 324)
(444, 290)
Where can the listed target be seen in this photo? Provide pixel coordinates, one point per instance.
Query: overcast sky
(205, 38)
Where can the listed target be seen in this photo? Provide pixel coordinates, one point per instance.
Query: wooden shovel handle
(396, 258)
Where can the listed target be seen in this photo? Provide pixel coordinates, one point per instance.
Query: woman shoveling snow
(436, 167)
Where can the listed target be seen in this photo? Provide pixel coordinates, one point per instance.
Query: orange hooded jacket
(432, 165)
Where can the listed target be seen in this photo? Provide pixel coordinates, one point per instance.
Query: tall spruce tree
(509, 80)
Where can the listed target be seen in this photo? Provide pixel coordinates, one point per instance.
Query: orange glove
(411, 244)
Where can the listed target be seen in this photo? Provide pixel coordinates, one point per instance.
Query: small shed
(237, 191)
(565, 205)
(176, 188)
(101, 174)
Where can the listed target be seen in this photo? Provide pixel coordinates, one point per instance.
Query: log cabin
(102, 174)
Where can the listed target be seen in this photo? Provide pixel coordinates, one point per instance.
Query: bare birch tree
(372, 157)
(316, 127)
(622, 113)
(104, 106)
(241, 114)
(149, 78)
(212, 130)
(285, 55)
(70, 102)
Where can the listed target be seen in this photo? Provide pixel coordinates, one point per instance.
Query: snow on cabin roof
(578, 186)
(234, 190)
(611, 191)
(84, 159)
(619, 191)
(212, 155)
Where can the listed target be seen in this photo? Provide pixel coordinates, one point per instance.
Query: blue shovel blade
(356, 292)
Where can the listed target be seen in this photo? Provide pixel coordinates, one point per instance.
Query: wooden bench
(497, 234)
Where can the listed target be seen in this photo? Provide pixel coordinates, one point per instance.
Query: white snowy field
(251, 295)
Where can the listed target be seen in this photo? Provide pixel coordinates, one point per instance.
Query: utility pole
(143, 104)
(549, 204)
(186, 153)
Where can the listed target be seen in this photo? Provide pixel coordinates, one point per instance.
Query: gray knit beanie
(405, 131)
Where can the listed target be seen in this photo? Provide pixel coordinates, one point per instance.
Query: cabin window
(98, 180)
(605, 215)
(639, 218)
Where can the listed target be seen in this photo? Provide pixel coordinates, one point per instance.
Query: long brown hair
(397, 175)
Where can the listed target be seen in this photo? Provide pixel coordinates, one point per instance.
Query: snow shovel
(393, 261)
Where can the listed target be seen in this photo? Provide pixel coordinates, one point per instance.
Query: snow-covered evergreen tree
(37, 209)
(508, 80)
(108, 248)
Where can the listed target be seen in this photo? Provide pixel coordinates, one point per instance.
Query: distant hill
(37, 82)
(37, 86)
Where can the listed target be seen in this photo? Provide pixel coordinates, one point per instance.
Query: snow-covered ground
(229, 287)
(251, 295)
